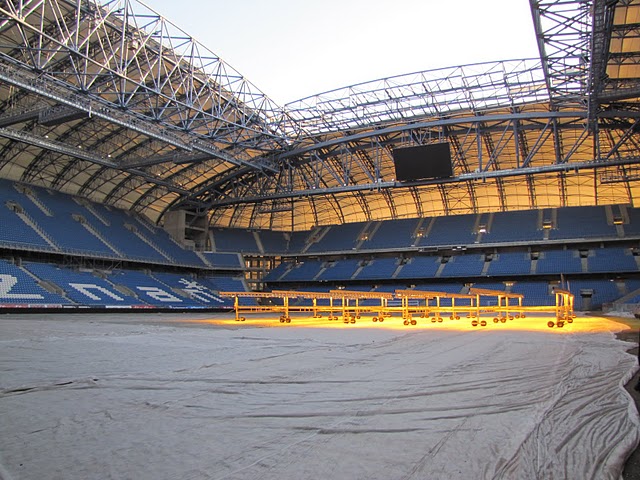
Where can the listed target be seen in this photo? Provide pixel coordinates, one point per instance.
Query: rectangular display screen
(423, 162)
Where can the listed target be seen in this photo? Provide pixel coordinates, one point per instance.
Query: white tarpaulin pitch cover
(179, 397)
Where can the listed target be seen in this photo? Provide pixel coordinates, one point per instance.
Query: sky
(291, 49)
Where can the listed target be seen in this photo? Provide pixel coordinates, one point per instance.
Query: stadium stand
(469, 265)
(509, 264)
(19, 288)
(303, 271)
(582, 222)
(419, 267)
(82, 287)
(338, 238)
(16, 228)
(381, 268)
(612, 259)
(234, 240)
(519, 226)
(425, 249)
(559, 261)
(223, 260)
(449, 231)
(339, 270)
(391, 234)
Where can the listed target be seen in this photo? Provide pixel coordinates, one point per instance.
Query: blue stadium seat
(339, 238)
(381, 268)
(452, 230)
(339, 270)
(392, 234)
(582, 222)
(20, 289)
(419, 267)
(223, 260)
(83, 288)
(611, 259)
(519, 226)
(234, 240)
(510, 263)
(469, 265)
(559, 261)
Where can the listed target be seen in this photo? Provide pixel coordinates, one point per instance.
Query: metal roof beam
(64, 149)
(467, 177)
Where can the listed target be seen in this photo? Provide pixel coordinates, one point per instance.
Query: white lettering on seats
(159, 294)
(199, 291)
(84, 288)
(7, 282)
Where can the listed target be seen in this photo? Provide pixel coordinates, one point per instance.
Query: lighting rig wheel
(474, 323)
(381, 319)
(433, 319)
(522, 315)
(353, 320)
(496, 320)
(569, 319)
(510, 317)
(288, 320)
(550, 324)
(503, 320)
(457, 317)
(346, 320)
(413, 322)
(560, 323)
(422, 315)
(439, 319)
(242, 319)
(375, 319)
(451, 317)
(405, 323)
(281, 319)
(483, 323)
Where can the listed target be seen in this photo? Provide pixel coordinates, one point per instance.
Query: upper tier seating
(223, 260)
(453, 230)
(274, 242)
(14, 231)
(121, 237)
(392, 234)
(513, 227)
(77, 226)
(59, 223)
(339, 238)
(582, 222)
(234, 240)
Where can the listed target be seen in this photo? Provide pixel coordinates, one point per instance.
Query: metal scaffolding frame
(114, 102)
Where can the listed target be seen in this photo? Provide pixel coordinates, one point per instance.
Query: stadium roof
(114, 103)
